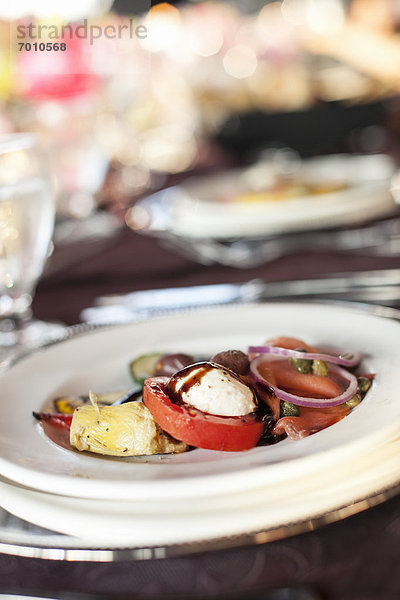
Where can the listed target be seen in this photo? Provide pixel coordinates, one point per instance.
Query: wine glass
(27, 211)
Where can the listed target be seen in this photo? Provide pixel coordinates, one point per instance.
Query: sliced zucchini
(144, 366)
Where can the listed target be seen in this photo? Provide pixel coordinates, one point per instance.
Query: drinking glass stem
(14, 321)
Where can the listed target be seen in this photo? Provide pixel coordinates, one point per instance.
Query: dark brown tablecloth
(133, 262)
(355, 559)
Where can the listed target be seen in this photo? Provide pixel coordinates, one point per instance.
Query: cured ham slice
(281, 374)
(287, 378)
(290, 343)
(309, 421)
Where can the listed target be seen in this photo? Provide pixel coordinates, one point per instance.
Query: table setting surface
(334, 560)
(200, 300)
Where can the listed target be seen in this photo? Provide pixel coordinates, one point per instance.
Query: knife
(252, 290)
(377, 286)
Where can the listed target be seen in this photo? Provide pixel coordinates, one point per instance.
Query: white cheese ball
(218, 393)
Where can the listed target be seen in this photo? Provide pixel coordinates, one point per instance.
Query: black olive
(235, 360)
(169, 364)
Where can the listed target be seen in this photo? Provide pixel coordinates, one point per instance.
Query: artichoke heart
(124, 430)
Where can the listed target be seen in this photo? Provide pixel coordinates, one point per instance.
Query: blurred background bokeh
(211, 84)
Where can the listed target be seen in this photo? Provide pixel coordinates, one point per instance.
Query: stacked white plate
(199, 495)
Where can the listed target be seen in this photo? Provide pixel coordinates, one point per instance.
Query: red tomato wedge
(197, 428)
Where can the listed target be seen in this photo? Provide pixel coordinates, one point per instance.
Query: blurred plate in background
(319, 193)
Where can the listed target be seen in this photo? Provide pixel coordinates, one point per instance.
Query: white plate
(283, 509)
(99, 360)
(192, 209)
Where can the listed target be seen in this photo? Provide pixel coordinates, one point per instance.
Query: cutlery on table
(376, 286)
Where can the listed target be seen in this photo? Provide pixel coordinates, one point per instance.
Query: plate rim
(71, 551)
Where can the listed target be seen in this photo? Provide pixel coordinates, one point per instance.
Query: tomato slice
(197, 428)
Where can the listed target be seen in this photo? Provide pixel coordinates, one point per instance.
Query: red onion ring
(337, 360)
(308, 402)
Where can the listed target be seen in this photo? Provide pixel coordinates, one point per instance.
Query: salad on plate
(230, 402)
